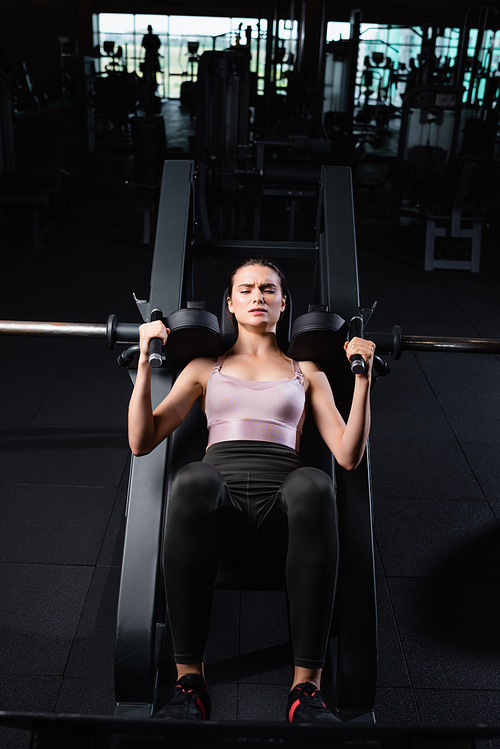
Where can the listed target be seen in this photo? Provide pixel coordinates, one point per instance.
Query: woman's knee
(197, 488)
(309, 490)
(309, 497)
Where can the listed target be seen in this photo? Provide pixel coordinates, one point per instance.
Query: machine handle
(358, 365)
(155, 344)
(125, 357)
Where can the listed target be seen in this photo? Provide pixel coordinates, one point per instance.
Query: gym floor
(64, 461)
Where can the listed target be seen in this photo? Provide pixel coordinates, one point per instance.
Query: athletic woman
(251, 493)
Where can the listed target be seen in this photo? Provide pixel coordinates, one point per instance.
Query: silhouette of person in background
(151, 43)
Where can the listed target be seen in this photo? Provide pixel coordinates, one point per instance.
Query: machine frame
(141, 617)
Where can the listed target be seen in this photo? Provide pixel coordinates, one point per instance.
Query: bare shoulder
(316, 379)
(309, 368)
(198, 371)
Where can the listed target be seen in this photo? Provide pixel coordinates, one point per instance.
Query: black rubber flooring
(64, 459)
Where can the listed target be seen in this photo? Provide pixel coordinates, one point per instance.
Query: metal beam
(138, 638)
(340, 241)
(356, 610)
(167, 273)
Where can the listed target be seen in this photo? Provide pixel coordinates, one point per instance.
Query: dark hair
(255, 260)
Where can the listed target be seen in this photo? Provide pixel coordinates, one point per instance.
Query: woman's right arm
(146, 429)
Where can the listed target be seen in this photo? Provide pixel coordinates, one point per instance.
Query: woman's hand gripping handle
(153, 336)
(155, 344)
(359, 351)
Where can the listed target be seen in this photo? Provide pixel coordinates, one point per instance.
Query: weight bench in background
(459, 214)
(177, 271)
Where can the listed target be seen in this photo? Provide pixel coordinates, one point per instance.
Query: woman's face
(256, 298)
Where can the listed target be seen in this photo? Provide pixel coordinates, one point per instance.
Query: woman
(251, 493)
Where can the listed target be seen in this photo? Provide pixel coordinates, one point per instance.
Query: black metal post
(356, 596)
(139, 636)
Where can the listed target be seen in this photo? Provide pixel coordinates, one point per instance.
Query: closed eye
(264, 289)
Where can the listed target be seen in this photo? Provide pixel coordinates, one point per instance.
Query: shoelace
(312, 699)
(181, 695)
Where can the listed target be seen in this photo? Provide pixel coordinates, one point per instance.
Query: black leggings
(251, 498)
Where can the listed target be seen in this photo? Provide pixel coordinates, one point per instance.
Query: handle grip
(155, 344)
(358, 364)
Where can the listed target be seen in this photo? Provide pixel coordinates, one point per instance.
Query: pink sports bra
(238, 409)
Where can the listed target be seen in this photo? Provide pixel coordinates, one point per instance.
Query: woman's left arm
(346, 441)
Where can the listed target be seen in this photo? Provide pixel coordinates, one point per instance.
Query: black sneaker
(191, 700)
(305, 705)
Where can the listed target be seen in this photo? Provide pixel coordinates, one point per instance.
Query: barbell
(115, 333)
(396, 342)
(112, 331)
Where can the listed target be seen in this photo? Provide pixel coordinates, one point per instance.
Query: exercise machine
(325, 274)
(178, 273)
(434, 183)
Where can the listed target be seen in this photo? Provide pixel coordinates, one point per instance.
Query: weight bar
(113, 332)
(395, 343)
(193, 332)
